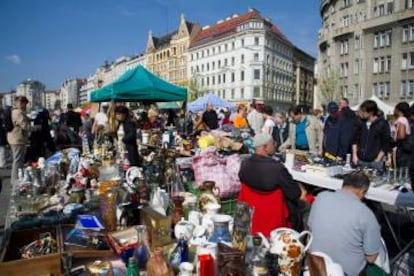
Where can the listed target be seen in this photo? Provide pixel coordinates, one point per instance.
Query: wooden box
(11, 262)
(80, 251)
(158, 226)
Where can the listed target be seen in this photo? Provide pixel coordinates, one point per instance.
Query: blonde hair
(281, 116)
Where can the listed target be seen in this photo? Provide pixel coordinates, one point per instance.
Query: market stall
(139, 84)
(210, 98)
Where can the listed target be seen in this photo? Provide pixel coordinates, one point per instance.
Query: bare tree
(329, 87)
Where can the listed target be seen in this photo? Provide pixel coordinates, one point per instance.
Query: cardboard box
(158, 226)
(11, 262)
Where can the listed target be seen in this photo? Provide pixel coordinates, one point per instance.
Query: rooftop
(228, 27)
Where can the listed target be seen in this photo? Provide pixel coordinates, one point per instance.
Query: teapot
(287, 244)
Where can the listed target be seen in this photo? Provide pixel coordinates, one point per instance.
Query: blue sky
(51, 40)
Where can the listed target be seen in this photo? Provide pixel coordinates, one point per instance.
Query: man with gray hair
(343, 227)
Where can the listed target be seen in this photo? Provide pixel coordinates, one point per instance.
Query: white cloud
(15, 59)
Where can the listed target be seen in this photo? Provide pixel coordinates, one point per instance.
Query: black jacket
(72, 119)
(265, 174)
(373, 140)
(276, 134)
(210, 119)
(130, 141)
(3, 132)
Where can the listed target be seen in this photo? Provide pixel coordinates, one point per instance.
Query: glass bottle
(180, 253)
(108, 209)
(132, 267)
(142, 251)
(256, 260)
(157, 265)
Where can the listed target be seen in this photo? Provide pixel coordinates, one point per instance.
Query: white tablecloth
(381, 194)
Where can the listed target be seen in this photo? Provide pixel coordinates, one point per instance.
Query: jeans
(19, 152)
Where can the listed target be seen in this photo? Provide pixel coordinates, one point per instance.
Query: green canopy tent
(137, 85)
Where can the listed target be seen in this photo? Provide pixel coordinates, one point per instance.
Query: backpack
(8, 122)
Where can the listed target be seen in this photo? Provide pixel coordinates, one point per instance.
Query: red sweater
(270, 210)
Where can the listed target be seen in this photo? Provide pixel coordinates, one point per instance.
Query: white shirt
(268, 126)
(101, 119)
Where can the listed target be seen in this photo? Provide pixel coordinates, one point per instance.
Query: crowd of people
(365, 136)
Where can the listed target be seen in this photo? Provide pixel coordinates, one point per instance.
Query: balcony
(343, 31)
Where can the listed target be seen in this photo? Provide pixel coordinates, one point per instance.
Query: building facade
(245, 57)
(304, 75)
(50, 99)
(370, 46)
(167, 56)
(69, 92)
(108, 73)
(8, 98)
(33, 90)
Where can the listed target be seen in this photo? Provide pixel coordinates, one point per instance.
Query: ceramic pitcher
(287, 244)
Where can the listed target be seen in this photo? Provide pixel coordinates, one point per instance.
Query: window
(208, 52)
(407, 61)
(357, 42)
(224, 78)
(382, 39)
(242, 59)
(256, 91)
(356, 66)
(256, 57)
(344, 47)
(256, 40)
(232, 94)
(224, 94)
(347, 3)
(408, 33)
(225, 47)
(346, 20)
(218, 79)
(242, 93)
(208, 81)
(344, 70)
(213, 80)
(242, 42)
(213, 65)
(376, 66)
(202, 67)
(232, 77)
(233, 45)
(409, 4)
(208, 66)
(225, 62)
(256, 74)
(242, 75)
(219, 64)
(232, 61)
(382, 89)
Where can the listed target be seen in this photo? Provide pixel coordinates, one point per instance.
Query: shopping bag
(223, 170)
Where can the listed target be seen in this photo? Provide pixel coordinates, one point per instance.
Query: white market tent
(387, 109)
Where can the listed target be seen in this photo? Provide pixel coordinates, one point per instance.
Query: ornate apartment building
(245, 57)
(370, 44)
(167, 56)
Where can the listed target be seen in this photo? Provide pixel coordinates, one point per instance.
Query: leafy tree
(58, 104)
(329, 87)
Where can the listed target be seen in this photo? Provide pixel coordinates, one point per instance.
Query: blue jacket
(338, 135)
